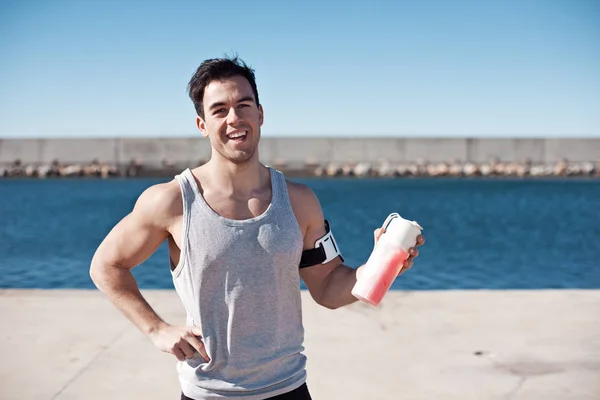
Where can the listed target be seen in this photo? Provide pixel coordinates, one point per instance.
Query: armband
(326, 249)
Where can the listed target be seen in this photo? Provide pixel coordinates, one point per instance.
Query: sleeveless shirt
(239, 282)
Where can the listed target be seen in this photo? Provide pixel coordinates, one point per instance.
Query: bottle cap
(401, 232)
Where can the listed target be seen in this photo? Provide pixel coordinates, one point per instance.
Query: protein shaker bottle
(386, 259)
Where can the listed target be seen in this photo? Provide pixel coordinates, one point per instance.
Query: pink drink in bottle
(386, 260)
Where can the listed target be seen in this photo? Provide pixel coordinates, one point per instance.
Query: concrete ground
(68, 344)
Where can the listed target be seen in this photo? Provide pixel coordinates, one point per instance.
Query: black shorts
(300, 393)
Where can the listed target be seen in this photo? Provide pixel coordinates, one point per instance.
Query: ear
(201, 124)
(261, 115)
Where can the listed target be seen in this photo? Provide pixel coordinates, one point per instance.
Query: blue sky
(324, 68)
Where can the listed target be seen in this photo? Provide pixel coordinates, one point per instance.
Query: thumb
(196, 331)
(377, 234)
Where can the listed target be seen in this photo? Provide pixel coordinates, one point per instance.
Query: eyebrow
(221, 104)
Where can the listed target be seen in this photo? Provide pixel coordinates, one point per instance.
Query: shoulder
(300, 191)
(160, 204)
(305, 202)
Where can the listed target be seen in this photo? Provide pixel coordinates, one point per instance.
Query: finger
(407, 264)
(196, 331)
(377, 234)
(413, 252)
(187, 349)
(420, 240)
(179, 354)
(198, 345)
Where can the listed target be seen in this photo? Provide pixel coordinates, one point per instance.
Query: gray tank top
(239, 282)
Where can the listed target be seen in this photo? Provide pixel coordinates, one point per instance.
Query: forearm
(338, 287)
(119, 285)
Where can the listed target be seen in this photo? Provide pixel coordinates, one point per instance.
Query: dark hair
(217, 69)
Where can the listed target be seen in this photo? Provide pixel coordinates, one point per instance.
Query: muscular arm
(329, 284)
(128, 244)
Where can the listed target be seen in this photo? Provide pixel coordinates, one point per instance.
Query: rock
(43, 171)
(362, 169)
(134, 168)
(402, 170)
(486, 170)
(587, 168)
(30, 171)
(510, 169)
(443, 169)
(456, 169)
(432, 170)
(91, 170)
(574, 170)
(104, 171)
(54, 168)
(16, 169)
(333, 170)
(560, 169)
(470, 169)
(347, 170)
(537, 170)
(71, 170)
(413, 170)
(522, 170)
(385, 169)
(499, 168)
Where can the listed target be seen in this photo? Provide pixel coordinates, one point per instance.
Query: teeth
(237, 135)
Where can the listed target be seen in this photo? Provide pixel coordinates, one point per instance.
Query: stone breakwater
(419, 168)
(458, 169)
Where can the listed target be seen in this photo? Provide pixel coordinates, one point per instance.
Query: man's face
(232, 120)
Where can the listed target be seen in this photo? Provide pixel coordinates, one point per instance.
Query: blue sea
(494, 234)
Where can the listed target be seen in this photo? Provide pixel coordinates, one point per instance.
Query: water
(497, 234)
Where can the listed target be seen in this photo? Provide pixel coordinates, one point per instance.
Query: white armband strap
(326, 249)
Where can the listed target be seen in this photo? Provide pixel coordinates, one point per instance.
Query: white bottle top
(400, 232)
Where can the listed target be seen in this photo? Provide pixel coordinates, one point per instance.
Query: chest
(246, 252)
(236, 208)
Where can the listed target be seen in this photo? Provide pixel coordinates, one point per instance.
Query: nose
(233, 117)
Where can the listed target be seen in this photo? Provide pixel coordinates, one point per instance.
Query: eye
(219, 111)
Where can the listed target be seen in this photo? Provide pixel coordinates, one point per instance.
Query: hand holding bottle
(394, 252)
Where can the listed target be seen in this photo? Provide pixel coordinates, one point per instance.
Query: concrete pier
(155, 152)
(71, 344)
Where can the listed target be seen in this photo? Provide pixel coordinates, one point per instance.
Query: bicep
(130, 242)
(315, 277)
(135, 237)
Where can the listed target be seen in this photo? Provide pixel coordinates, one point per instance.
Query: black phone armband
(326, 249)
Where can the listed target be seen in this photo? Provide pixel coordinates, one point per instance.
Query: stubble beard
(238, 157)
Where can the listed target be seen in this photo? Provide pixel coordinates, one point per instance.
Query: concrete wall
(298, 151)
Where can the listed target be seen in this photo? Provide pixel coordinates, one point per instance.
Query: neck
(244, 178)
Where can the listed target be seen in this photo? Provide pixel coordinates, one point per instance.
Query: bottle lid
(390, 217)
(401, 232)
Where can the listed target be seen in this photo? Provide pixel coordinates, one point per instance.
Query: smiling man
(240, 239)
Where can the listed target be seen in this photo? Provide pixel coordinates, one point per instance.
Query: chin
(241, 158)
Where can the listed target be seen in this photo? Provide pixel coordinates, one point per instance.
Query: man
(237, 233)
